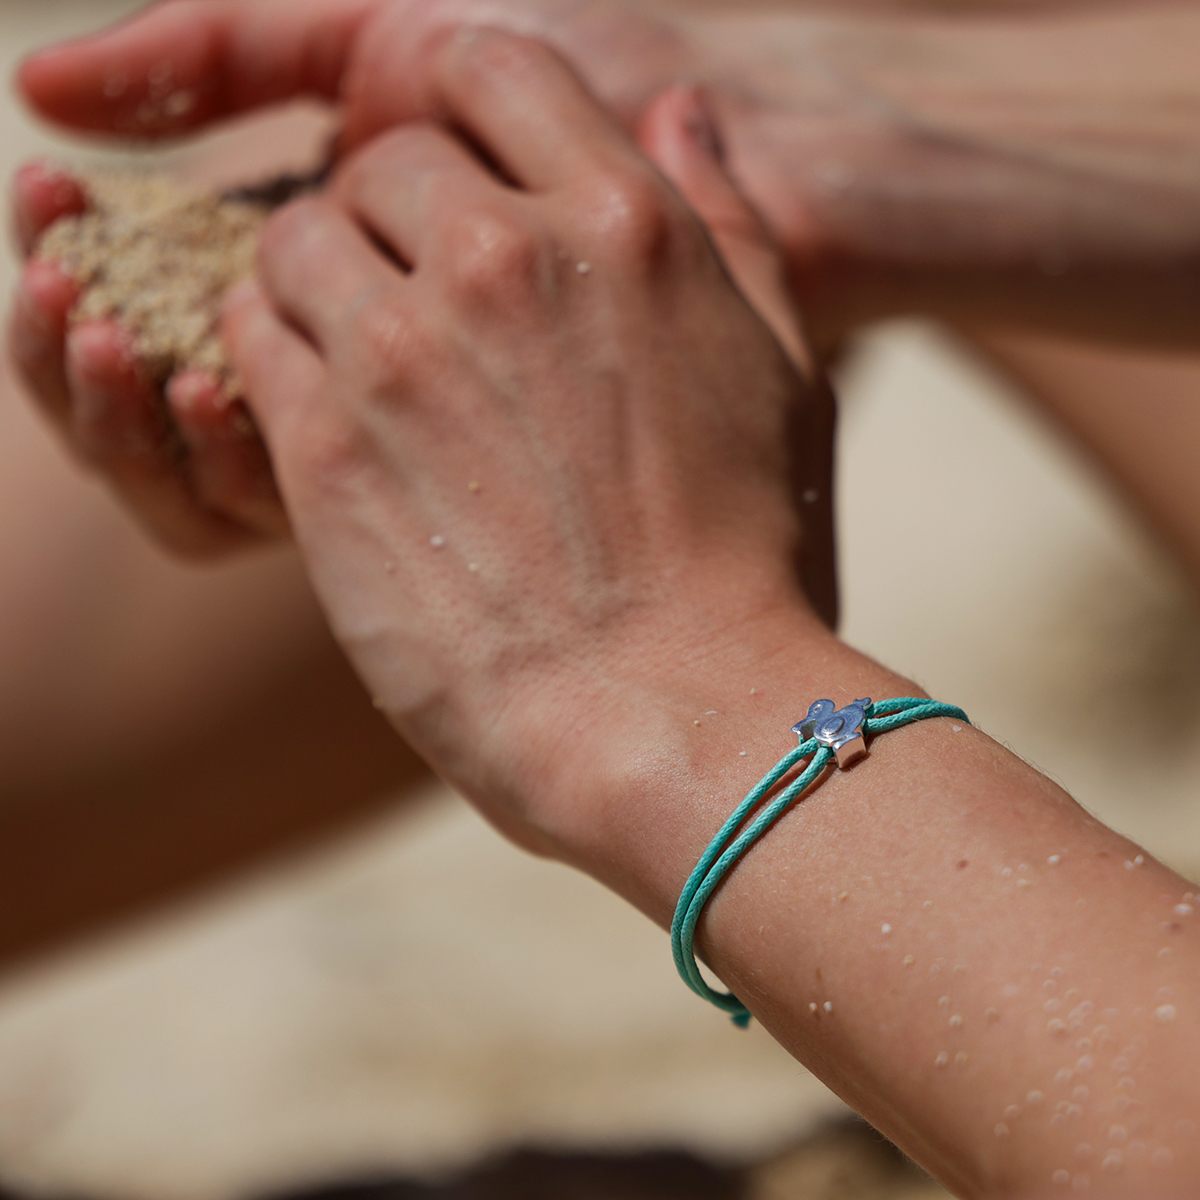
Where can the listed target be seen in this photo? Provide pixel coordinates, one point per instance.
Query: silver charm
(840, 730)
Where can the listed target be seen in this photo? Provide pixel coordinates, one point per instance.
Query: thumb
(678, 134)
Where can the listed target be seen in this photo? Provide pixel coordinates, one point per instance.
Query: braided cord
(729, 845)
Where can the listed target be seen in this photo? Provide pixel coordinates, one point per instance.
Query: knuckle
(329, 455)
(493, 259)
(293, 231)
(388, 342)
(635, 220)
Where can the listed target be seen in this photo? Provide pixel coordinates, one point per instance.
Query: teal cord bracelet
(824, 735)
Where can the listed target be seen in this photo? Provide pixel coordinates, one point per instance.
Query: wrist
(632, 787)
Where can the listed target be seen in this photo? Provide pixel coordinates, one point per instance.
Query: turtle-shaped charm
(839, 729)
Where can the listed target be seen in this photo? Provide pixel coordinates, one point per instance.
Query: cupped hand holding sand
(115, 331)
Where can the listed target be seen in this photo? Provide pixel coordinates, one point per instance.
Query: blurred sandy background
(421, 994)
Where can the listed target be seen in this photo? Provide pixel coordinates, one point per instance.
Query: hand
(531, 438)
(907, 162)
(187, 462)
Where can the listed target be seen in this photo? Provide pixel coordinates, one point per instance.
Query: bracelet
(825, 735)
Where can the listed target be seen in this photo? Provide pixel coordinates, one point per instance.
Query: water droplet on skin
(695, 722)
(1126, 1084)
(1164, 1013)
(1080, 1183)
(754, 691)
(1061, 1177)
(1114, 1160)
(1006, 872)
(1001, 1130)
(956, 729)
(991, 1015)
(1051, 1006)
(1184, 910)
(1023, 883)
(1117, 1134)
(1010, 990)
(1071, 995)
(1083, 1150)
(1162, 1157)
(810, 496)
(1074, 1111)
(584, 268)
(909, 960)
(1086, 1063)
(1054, 860)
(927, 904)
(474, 486)
(1128, 865)
(943, 1002)
(437, 541)
(1080, 1094)
(961, 1058)
(389, 567)
(1056, 972)
(1141, 858)
(1164, 994)
(958, 969)
(1083, 1044)
(1058, 1119)
(474, 569)
(1033, 1098)
(1165, 952)
(1064, 1075)
(1050, 985)
(1012, 1112)
(1120, 1064)
(956, 1021)
(843, 895)
(828, 1006)
(812, 1006)
(942, 1060)
(885, 928)
(741, 754)
(1056, 1026)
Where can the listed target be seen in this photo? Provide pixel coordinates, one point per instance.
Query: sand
(158, 256)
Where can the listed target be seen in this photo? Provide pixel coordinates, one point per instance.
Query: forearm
(1138, 414)
(937, 897)
(1040, 170)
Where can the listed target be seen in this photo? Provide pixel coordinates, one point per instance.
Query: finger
(404, 179)
(184, 63)
(677, 132)
(516, 97)
(282, 374)
(228, 465)
(319, 267)
(42, 194)
(38, 331)
(118, 424)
